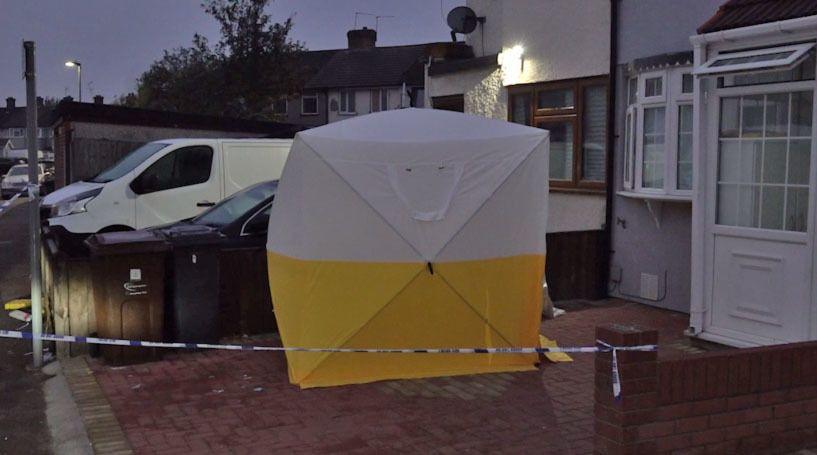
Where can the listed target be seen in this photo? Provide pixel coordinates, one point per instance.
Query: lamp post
(78, 66)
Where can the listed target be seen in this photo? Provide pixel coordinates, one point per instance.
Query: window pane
(687, 83)
(727, 204)
(309, 105)
(632, 90)
(384, 100)
(653, 167)
(772, 207)
(729, 162)
(749, 206)
(193, 166)
(752, 58)
(684, 168)
(730, 117)
(375, 100)
(594, 131)
(520, 103)
(774, 162)
(796, 209)
(555, 99)
(803, 72)
(801, 105)
(561, 149)
(777, 115)
(628, 156)
(799, 161)
(752, 116)
(654, 86)
(751, 156)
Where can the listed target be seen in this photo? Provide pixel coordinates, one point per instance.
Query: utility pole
(30, 74)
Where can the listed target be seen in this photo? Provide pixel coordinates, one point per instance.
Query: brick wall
(760, 400)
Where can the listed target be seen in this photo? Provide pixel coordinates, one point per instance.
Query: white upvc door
(760, 214)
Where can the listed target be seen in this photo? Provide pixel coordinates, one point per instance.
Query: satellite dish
(462, 19)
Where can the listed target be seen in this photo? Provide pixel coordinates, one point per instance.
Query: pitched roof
(16, 117)
(373, 67)
(121, 115)
(743, 13)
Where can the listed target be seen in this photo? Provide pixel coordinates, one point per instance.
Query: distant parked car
(7, 163)
(16, 179)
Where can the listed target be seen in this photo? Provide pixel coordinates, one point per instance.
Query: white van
(163, 182)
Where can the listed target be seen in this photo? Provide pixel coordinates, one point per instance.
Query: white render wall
(562, 39)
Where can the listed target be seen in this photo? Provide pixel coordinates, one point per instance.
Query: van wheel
(115, 228)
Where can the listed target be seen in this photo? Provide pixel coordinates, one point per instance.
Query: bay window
(575, 113)
(658, 134)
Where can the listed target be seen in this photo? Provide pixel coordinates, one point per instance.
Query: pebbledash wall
(652, 240)
(759, 400)
(561, 40)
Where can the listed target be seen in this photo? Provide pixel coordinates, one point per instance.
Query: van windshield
(18, 170)
(128, 163)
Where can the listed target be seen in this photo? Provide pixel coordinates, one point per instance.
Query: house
(546, 63)
(13, 137)
(360, 79)
(90, 137)
(653, 174)
(753, 203)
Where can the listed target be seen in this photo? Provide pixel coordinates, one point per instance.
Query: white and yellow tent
(413, 228)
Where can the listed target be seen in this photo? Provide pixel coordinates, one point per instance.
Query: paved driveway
(242, 402)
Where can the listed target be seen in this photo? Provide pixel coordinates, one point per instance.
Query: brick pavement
(242, 402)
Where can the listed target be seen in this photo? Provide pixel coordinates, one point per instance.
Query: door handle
(205, 204)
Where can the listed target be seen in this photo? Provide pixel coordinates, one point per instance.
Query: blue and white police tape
(601, 347)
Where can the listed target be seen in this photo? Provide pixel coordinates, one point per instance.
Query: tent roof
(420, 126)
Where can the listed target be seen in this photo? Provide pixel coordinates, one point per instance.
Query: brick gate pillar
(617, 420)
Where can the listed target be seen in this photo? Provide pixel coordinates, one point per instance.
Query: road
(23, 427)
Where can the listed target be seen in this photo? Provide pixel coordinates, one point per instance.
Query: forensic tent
(413, 228)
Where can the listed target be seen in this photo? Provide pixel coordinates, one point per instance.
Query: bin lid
(129, 242)
(191, 235)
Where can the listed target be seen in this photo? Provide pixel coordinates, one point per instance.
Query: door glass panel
(730, 117)
(521, 108)
(653, 168)
(561, 149)
(771, 207)
(774, 162)
(752, 116)
(764, 165)
(777, 115)
(557, 99)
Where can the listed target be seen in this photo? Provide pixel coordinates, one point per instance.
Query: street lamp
(78, 66)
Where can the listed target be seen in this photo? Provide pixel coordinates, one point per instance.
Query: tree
(253, 64)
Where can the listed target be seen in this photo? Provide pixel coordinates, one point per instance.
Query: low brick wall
(760, 400)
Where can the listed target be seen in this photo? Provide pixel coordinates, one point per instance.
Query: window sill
(574, 190)
(655, 196)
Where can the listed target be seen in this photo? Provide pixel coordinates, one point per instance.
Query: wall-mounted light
(512, 62)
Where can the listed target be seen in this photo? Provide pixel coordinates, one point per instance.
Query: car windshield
(232, 208)
(128, 163)
(18, 170)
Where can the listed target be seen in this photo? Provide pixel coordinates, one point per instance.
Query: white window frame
(381, 95)
(630, 121)
(13, 132)
(671, 98)
(798, 52)
(343, 104)
(311, 96)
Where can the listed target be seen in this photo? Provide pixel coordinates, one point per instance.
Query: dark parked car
(241, 219)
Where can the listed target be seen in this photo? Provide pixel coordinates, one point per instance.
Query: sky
(117, 40)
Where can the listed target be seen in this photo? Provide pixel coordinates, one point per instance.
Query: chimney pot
(99, 99)
(11, 103)
(364, 38)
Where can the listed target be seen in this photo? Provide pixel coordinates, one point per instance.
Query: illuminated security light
(511, 61)
(71, 63)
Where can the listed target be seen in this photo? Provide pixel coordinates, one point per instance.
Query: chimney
(40, 101)
(364, 38)
(99, 99)
(11, 102)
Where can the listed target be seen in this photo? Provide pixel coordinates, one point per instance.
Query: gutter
(607, 241)
(752, 31)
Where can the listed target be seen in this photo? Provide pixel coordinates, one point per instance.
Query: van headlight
(74, 204)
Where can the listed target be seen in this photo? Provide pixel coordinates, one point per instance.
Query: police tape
(601, 347)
